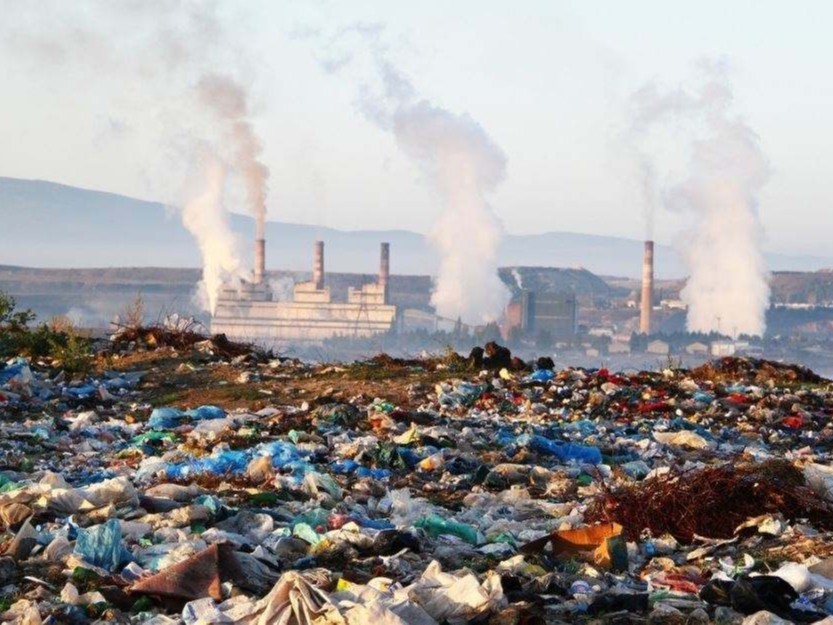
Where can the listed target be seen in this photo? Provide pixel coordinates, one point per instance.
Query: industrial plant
(248, 311)
(251, 310)
(571, 311)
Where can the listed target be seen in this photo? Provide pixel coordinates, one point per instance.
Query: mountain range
(45, 224)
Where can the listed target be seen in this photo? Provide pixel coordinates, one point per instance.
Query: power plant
(248, 312)
(251, 311)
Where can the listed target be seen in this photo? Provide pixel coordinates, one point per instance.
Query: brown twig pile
(754, 371)
(182, 336)
(711, 502)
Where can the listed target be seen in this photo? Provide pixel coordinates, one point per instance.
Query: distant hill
(51, 225)
(790, 287)
(554, 280)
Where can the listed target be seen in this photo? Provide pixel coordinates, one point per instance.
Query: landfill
(200, 483)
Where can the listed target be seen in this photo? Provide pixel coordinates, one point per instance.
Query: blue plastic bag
(542, 375)
(703, 397)
(281, 453)
(81, 392)
(101, 546)
(165, 418)
(565, 452)
(376, 474)
(345, 467)
(9, 372)
(206, 412)
(222, 463)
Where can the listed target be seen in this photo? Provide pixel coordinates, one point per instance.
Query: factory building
(248, 312)
(554, 314)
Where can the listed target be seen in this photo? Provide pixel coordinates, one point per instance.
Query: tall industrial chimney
(384, 269)
(647, 288)
(260, 260)
(318, 266)
(260, 249)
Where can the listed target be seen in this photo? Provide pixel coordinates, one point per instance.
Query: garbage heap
(509, 495)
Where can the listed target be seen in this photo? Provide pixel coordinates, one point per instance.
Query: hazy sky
(549, 81)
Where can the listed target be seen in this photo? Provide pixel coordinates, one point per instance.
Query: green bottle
(435, 525)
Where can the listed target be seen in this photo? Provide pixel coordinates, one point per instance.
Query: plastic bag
(206, 412)
(565, 452)
(456, 599)
(101, 546)
(165, 418)
(683, 439)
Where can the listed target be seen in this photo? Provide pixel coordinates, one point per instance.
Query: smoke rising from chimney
(461, 162)
(204, 217)
(171, 50)
(465, 165)
(227, 99)
(728, 285)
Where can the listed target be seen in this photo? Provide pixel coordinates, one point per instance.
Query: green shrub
(59, 340)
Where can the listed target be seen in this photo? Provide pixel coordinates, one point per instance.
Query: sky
(549, 81)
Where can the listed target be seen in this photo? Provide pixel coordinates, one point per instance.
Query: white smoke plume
(463, 163)
(157, 55)
(204, 216)
(728, 285)
(466, 166)
(648, 107)
(227, 99)
(519, 279)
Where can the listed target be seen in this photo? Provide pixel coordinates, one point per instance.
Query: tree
(12, 320)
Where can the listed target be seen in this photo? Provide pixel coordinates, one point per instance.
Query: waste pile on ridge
(194, 481)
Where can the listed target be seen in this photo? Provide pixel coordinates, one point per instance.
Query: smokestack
(318, 266)
(260, 260)
(384, 268)
(647, 288)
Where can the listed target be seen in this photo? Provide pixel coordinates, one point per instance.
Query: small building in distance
(658, 347)
(673, 304)
(723, 348)
(697, 349)
(619, 347)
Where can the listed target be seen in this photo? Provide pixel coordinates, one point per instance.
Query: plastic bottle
(432, 462)
(435, 526)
